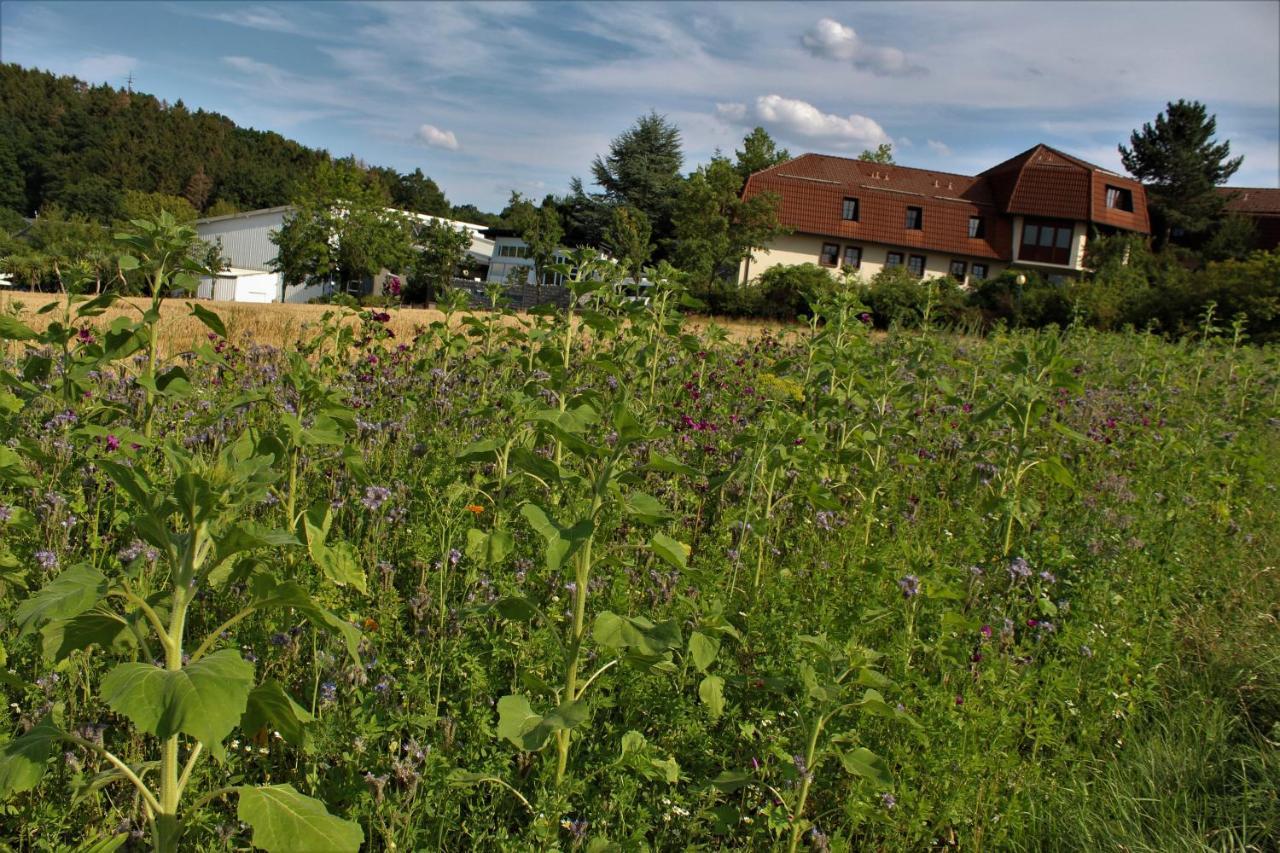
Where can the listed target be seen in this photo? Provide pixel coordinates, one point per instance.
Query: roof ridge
(883, 165)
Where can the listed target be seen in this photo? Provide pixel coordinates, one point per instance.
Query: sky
(490, 97)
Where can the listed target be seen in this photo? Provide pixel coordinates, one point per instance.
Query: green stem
(796, 829)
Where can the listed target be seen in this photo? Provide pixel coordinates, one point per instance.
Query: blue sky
(494, 96)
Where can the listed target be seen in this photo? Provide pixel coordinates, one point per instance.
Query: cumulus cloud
(434, 137)
(939, 147)
(802, 118)
(830, 39)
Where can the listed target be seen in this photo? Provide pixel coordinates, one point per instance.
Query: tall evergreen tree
(628, 237)
(642, 169)
(1180, 163)
(759, 151)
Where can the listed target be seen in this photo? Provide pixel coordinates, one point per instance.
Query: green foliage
(642, 169)
(440, 250)
(791, 291)
(600, 577)
(628, 239)
(140, 205)
(883, 154)
(715, 229)
(1180, 164)
(342, 229)
(759, 151)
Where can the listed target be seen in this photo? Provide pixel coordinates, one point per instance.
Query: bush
(791, 291)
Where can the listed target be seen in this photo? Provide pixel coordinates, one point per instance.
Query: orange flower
(370, 624)
(475, 508)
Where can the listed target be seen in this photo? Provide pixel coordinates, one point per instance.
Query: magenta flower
(113, 443)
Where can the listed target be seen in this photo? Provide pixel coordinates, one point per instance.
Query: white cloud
(804, 119)
(830, 39)
(732, 112)
(939, 147)
(903, 142)
(433, 136)
(105, 67)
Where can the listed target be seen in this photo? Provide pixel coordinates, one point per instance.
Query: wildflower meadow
(595, 579)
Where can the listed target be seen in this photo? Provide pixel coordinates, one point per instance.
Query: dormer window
(849, 210)
(976, 228)
(1119, 198)
(915, 219)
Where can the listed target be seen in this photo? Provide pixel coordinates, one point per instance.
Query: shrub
(790, 291)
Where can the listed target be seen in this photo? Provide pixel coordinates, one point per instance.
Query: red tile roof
(1039, 182)
(1255, 201)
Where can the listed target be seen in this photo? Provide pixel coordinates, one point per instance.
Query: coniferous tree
(642, 169)
(1180, 163)
(759, 151)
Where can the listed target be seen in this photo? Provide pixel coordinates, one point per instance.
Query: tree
(585, 215)
(628, 239)
(715, 229)
(1180, 163)
(1232, 238)
(474, 215)
(341, 229)
(539, 228)
(416, 192)
(198, 188)
(140, 205)
(883, 154)
(440, 249)
(643, 170)
(759, 151)
(13, 185)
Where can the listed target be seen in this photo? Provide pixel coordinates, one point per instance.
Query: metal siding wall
(245, 241)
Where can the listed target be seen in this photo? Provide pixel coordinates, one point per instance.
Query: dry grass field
(278, 324)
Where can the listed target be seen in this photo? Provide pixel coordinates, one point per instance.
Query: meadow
(608, 580)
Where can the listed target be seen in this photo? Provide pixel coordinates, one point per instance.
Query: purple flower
(888, 801)
(6, 512)
(328, 692)
(455, 556)
(1018, 569)
(375, 496)
(910, 586)
(393, 285)
(113, 443)
(1048, 577)
(46, 559)
(985, 630)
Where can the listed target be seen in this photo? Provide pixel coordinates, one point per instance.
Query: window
(958, 269)
(852, 257)
(849, 212)
(830, 252)
(976, 228)
(915, 218)
(1119, 198)
(979, 272)
(893, 259)
(509, 251)
(915, 263)
(1046, 242)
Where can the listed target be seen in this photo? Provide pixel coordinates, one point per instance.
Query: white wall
(793, 249)
(252, 287)
(246, 237)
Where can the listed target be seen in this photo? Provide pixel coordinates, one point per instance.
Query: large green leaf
(524, 727)
(209, 318)
(674, 552)
(703, 648)
(864, 762)
(95, 627)
(245, 537)
(270, 705)
(711, 692)
(285, 821)
(561, 542)
(646, 508)
(23, 759)
(69, 594)
(636, 633)
(337, 562)
(12, 471)
(205, 700)
(489, 548)
(12, 329)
